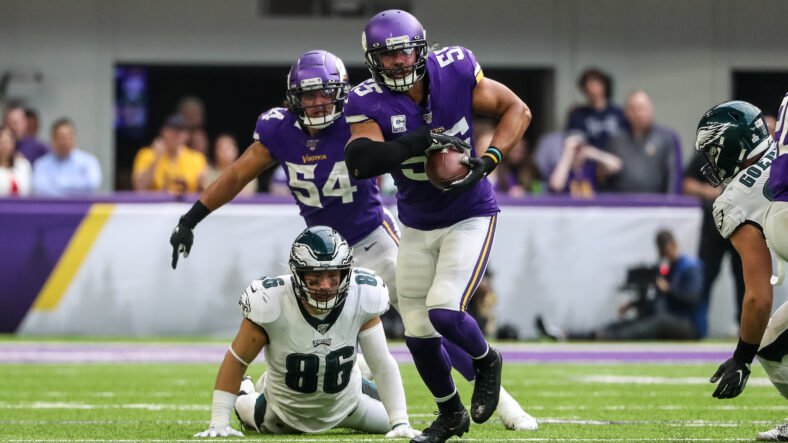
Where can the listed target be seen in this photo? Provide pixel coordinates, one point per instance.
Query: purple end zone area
(63, 352)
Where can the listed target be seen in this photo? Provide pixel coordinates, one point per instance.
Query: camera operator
(673, 314)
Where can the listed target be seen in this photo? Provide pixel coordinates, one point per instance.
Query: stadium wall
(681, 52)
(102, 267)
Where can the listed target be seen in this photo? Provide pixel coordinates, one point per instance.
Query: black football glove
(439, 141)
(480, 167)
(181, 240)
(732, 376)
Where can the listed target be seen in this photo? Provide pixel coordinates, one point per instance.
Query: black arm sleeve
(366, 158)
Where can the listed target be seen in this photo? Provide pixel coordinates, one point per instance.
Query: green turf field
(171, 402)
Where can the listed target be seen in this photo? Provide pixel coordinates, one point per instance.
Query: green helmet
(320, 248)
(728, 135)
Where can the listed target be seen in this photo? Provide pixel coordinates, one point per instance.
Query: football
(444, 166)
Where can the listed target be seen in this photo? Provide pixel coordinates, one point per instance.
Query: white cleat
(247, 386)
(513, 416)
(780, 433)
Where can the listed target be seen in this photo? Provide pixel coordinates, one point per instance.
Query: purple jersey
(317, 175)
(779, 175)
(452, 73)
(778, 181)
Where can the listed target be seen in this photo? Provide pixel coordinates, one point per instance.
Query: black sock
(452, 405)
(488, 359)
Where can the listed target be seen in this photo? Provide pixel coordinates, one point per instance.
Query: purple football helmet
(317, 73)
(391, 32)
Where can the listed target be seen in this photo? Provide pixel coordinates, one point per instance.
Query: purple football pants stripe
(481, 264)
(389, 224)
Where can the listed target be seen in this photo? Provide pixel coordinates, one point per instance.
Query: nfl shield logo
(312, 144)
(428, 118)
(398, 123)
(322, 328)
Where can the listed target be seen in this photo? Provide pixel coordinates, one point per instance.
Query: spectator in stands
(192, 110)
(66, 170)
(579, 166)
(516, 174)
(15, 170)
(673, 314)
(27, 145)
(225, 151)
(598, 119)
(33, 122)
(651, 154)
(168, 165)
(713, 246)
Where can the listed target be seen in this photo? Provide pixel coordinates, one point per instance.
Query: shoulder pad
(373, 298)
(270, 120)
(261, 301)
(727, 215)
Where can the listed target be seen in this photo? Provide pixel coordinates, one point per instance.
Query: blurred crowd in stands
(602, 148)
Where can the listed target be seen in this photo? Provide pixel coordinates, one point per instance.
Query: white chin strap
(400, 84)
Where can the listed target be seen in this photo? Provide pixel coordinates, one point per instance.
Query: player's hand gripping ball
(446, 161)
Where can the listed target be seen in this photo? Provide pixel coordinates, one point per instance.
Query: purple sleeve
(780, 132)
(360, 105)
(778, 180)
(266, 126)
(462, 61)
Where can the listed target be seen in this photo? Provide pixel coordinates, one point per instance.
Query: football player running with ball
(414, 102)
(308, 138)
(734, 138)
(309, 324)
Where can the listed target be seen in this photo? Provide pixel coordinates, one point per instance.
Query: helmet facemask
(323, 300)
(398, 78)
(317, 249)
(336, 93)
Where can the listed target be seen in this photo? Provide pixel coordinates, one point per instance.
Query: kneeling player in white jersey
(740, 152)
(309, 325)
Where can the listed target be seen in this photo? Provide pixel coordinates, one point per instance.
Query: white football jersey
(746, 198)
(311, 381)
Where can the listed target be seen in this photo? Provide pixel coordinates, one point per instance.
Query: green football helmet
(320, 248)
(728, 135)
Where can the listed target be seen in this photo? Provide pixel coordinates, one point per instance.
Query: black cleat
(444, 427)
(487, 388)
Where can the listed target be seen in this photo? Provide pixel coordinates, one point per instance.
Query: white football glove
(402, 430)
(226, 431)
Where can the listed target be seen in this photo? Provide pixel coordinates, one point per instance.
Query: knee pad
(774, 344)
(414, 317)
